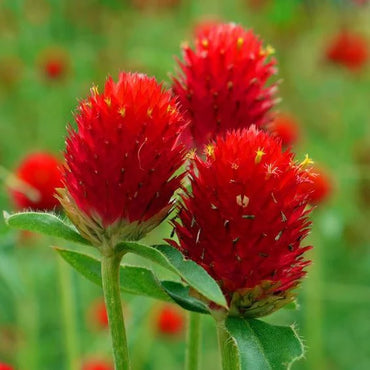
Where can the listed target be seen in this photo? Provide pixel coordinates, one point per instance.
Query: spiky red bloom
(223, 82)
(5, 367)
(97, 364)
(120, 163)
(170, 320)
(40, 175)
(348, 49)
(285, 127)
(319, 186)
(244, 220)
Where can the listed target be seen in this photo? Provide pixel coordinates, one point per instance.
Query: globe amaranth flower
(121, 161)
(35, 181)
(348, 49)
(244, 220)
(222, 85)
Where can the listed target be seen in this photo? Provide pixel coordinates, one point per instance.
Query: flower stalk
(193, 341)
(110, 278)
(68, 304)
(228, 350)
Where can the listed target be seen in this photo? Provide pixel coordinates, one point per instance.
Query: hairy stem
(193, 341)
(110, 278)
(228, 350)
(68, 306)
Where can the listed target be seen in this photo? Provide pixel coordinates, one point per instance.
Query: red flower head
(5, 367)
(245, 220)
(349, 50)
(223, 82)
(97, 364)
(319, 187)
(120, 163)
(170, 320)
(36, 179)
(286, 128)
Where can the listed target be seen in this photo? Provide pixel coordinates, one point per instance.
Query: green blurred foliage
(100, 38)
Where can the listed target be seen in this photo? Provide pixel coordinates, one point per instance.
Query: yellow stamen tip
(267, 51)
(149, 112)
(210, 150)
(205, 43)
(259, 154)
(239, 43)
(307, 161)
(191, 154)
(171, 109)
(122, 112)
(108, 101)
(94, 90)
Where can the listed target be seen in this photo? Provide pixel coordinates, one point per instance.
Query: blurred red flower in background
(245, 219)
(54, 63)
(98, 314)
(120, 162)
(285, 127)
(222, 85)
(257, 4)
(170, 320)
(348, 49)
(319, 187)
(360, 2)
(97, 364)
(40, 175)
(5, 367)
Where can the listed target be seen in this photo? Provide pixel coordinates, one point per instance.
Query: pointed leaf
(263, 346)
(134, 280)
(172, 259)
(44, 223)
(180, 294)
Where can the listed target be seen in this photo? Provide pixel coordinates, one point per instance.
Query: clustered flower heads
(222, 85)
(244, 220)
(246, 214)
(120, 162)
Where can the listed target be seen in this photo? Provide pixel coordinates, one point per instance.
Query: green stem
(110, 277)
(229, 354)
(68, 305)
(193, 341)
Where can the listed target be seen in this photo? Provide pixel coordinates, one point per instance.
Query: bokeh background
(51, 52)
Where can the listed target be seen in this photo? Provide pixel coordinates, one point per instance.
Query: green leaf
(135, 280)
(44, 223)
(171, 259)
(180, 294)
(263, 346)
